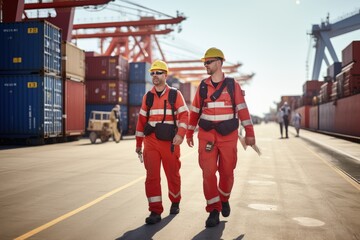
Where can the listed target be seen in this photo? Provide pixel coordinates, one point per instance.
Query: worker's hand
(138, 150)
(190, 142)
(177, 140)
(250, 141)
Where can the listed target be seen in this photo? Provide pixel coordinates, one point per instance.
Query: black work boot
(213, 219)
(153, 218)
(225, 211)
(174, 209)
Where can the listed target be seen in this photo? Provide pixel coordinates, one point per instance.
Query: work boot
(213, 219)
(225, 211)
(174, 209)
(153, 218)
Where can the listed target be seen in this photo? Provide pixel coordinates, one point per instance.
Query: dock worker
(217, 108)
(161, 126)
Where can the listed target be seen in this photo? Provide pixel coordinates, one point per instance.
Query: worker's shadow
(146, 232)
(214, 233)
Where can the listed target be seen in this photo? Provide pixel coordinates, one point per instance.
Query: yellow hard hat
(159, 65)
(213, 53)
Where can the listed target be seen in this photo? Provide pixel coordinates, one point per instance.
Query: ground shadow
(146, 232)
(214, 233)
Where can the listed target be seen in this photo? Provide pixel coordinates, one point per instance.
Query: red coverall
(158, 151)
(223, 156)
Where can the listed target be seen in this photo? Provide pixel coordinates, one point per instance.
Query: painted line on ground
(82, 208)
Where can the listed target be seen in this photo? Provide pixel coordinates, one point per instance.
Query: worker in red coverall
(156, 151)
(218, 150)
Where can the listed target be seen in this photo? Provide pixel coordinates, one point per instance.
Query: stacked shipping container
(107, 85)
(73, 73)
(30, 78)
(139, 83)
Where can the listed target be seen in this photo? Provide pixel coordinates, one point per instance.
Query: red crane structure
(134, 40)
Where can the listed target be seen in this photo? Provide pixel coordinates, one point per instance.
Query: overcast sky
(268, 37)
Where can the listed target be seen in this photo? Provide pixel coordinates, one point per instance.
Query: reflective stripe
(215, 118)
(246, 122)
(175, 195)
(160, 112)
(218, 105)
(191, 127)
(182, 109)
(223, 193)
(195, 109)
(183, 125)
(142, 112)
(213, 200)
(139, 134)
(241, 106)
(154, 199)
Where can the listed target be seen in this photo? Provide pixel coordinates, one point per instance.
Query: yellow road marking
(67, 215)
(338, 171)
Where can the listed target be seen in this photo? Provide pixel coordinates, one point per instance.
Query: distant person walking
(286, 110)
(297, 123)
(280, 120)
(115, 118)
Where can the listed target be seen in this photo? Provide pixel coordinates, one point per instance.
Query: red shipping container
(325, 92)
(106, 67)
(74, 108)
(106, 92)
(351, 53)
(311, 88)
(133, 117)
(314, 118)
(347, 115)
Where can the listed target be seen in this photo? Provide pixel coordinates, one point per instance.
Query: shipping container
(106, 67)
(74, 108)
(133, 117)
(30, 47)
(351, 84)
(333, 70)
(73, 62)
(325, 92)
(106, 92)
(314, 117)
(108, 108)
(311, 88)
(188, 90)
(137, 91)
(351, 53)
(304, 112)
(30, 106)
(139, 72)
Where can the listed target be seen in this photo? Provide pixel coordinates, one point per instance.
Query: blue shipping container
(137, 91)
(108, 108)
(139, 72)
(28, 47)
(30, 106)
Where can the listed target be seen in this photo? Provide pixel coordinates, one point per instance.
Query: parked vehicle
(100, 126)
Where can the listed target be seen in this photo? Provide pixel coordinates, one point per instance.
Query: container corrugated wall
(29, 47)
(30, 106)
(73, 62)
(139, 72)
(74, 108)
(106, 92)
(137, 91)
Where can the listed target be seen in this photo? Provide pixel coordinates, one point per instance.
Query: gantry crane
(322, 34)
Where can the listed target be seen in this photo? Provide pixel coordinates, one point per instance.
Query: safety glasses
(210, 62)
(156, 73)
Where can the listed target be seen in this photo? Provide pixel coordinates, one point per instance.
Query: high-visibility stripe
(213, 200)
(241, 106)
(215, 118)
(154, 199)
(223, 193)
(195, 109)
(246, 122)
(139, 134)
(142, 112)
(183, 125)
(174, 195)
(191, 127)
(182, 109)
(160, 112)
